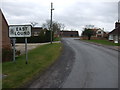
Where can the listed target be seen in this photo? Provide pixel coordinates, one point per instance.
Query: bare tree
(33, 23)
(62, 26)
(56, 26)
(46, 25)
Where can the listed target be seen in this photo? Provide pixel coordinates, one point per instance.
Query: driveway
(81, 65)
(30, 46)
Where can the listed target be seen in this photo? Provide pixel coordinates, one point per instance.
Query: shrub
(42, 36)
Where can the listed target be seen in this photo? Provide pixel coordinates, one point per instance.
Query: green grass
(39, 59)
(104, 42)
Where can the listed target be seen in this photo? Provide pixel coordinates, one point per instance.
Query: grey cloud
(89, 13)
(74, 15)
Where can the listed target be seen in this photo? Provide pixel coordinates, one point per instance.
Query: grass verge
(104, 42)
(39, 59)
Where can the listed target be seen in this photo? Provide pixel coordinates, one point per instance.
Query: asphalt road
(81, 65)
(55, 75)
(94, 66)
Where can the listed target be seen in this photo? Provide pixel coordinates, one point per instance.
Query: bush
(7, 54)
(48, 36)
(44, 36)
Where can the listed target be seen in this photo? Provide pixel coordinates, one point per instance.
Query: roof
(36, 29)
(3, 18)
(70, 31)
(116, 31)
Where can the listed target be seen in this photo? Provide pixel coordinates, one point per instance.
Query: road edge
(105, 46)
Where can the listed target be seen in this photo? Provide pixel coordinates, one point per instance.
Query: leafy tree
(88, 33)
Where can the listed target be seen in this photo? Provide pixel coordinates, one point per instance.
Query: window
(99, 32)
(35, 34)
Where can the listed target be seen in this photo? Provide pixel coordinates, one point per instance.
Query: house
(4, 31)
(69, 33)
(100, 33)
(5, 44)
(114, 35)
(36, 31)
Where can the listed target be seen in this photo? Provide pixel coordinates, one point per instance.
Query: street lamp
(51, 26)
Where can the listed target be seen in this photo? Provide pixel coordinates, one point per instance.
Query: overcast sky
(75, 14)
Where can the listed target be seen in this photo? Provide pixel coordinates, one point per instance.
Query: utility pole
(51, 26)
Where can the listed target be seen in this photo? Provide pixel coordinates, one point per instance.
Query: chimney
(117, 24)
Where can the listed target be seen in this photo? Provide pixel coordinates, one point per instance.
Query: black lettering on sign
(22, 33)
(23, 28)
(15, 33)
(25, 33)
(16, 28)
(26, 28)
(28, 33)
(20, 28)
(18, 33)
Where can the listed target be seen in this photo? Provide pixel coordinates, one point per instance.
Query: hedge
(43, 37)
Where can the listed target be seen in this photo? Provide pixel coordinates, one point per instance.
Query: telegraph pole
(51, 26)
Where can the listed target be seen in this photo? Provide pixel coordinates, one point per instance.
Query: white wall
(110, 37)
(114, 38)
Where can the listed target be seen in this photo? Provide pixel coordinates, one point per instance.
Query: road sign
(20, 30)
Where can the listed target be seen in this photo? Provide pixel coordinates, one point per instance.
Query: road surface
(81, 65)
(94, 66)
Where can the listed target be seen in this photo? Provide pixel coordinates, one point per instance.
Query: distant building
(5, 38)
(114, 35)
(36, 31)
(100, 33)
(69, 33)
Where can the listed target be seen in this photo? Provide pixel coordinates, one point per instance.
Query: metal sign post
(26, 51)
(14, 49)
(20, 31)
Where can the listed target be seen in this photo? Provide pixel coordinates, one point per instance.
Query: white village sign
(20, 31)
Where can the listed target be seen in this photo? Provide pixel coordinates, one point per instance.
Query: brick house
(114, 35)
(5, 38)
(69, 33)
